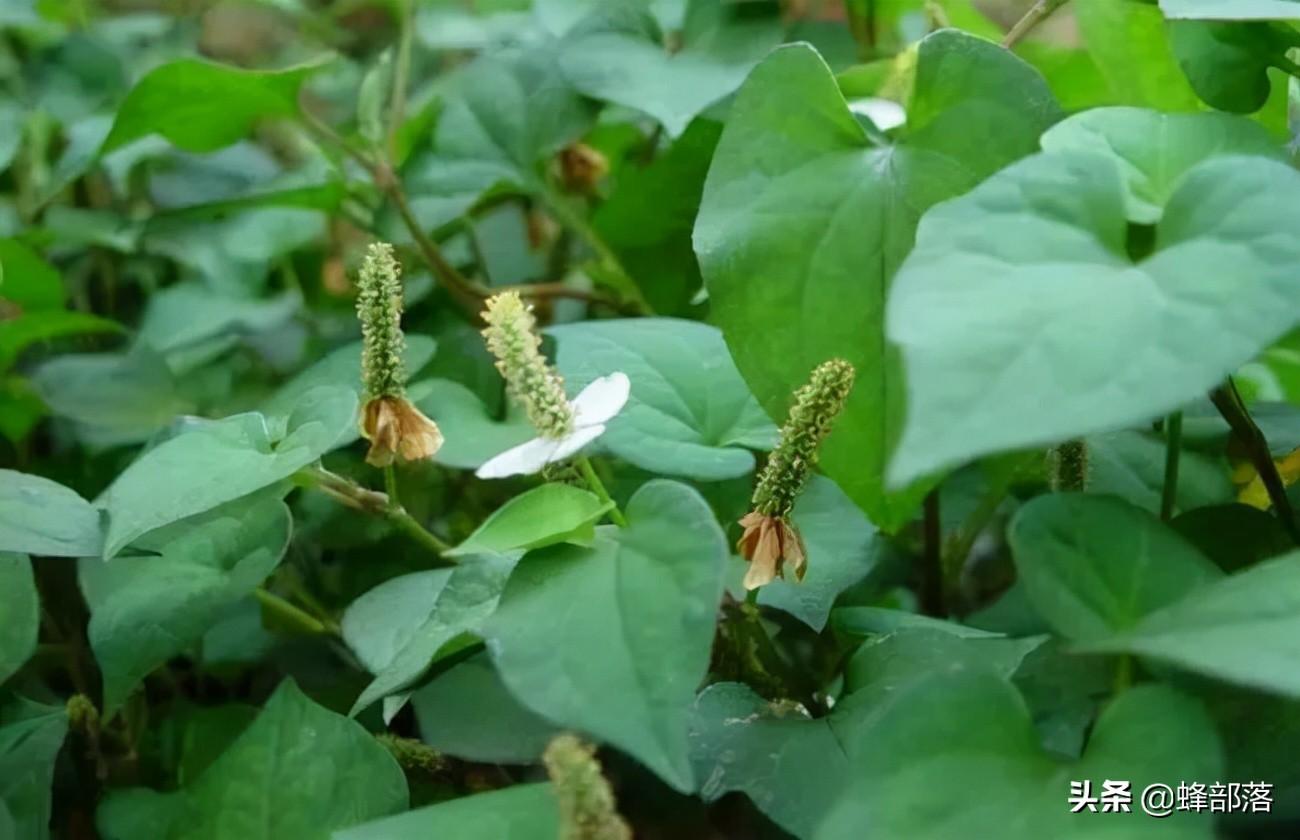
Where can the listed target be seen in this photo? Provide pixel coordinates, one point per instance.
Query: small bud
(512, 338)
(587, 807)
(379, 307)
(83, 717)
(770, 541)
(581, 168)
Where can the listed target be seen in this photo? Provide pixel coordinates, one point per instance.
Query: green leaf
(188, 314)
(805, 219)
(956, 755)
(503, 116)
(618, 54)
(1227, 64)
(648, 218)
(863, 621)
(31, 735)
(20, 613)
(472, 435)
(522, 812)
(28, 280)
(842, 548)
(469, 713)
(545, 515)
(689, 414)
(299, 770)
(32, 328)
(1127, 43)
(613, 640)
(398, 628)
(200, 106)
(145, 610)
(882, 666)
(113, 398)
(1023, 321)
(1131, 465)
(342, 367)
(1095, 565)
(39, 516)
(1241, 629)
(1233, 536)
(213, 462)
(790, 766)
(1151, 169)
(1231, 9)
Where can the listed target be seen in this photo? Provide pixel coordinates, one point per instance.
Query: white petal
(601, 400)
(580, 438)
(883, 113)
(524, 459)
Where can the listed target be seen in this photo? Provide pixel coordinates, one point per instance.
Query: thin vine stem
(1173, 452)
(1233, 409)
(598, 487)
(353, 495)
(1039, 12)
(291, 614)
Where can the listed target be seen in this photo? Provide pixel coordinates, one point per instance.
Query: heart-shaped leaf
(299, 770)
(542, 516)
(146, 610)
(1242, 629)
(201, 106)
(20, 613)
(690, 413)
(805, 219)
(618, 54)
(42, 517)
(613, 640)
(31, 735)
(214, 462)
(1228, 63)
(1152, 169)
(1094, 565)
(956, 754)
(469, 713)
(398, 628)
(1023, 321)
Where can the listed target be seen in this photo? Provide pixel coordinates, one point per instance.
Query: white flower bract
(596, 405)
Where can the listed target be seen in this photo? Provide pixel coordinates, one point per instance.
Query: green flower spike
(770, 541)
(512, 338)
(395, 428)
(587, 808)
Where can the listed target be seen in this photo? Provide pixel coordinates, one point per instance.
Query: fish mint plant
(558, 420)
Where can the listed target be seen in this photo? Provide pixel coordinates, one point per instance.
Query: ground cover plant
(530, 419)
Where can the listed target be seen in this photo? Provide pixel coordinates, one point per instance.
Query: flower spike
(770, 541)
(512, 338)
(395, 428)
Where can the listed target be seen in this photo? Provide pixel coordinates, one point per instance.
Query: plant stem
(1070, 467)
(468, 294)
(1173, 451)
(401, 77)
(291, 614)
(1123, 673)
(932, 594)
(390, 485)
(1229, 403)
(353, 495)
(598, 487)
(1039, 12)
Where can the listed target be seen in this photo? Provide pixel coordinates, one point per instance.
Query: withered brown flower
(397, 429)
(770, 544)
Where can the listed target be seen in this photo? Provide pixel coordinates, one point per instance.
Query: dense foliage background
(1048, 539)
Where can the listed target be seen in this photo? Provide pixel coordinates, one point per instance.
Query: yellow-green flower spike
(587, 807)
(379, 307)
(816, 405)
(512, 338)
